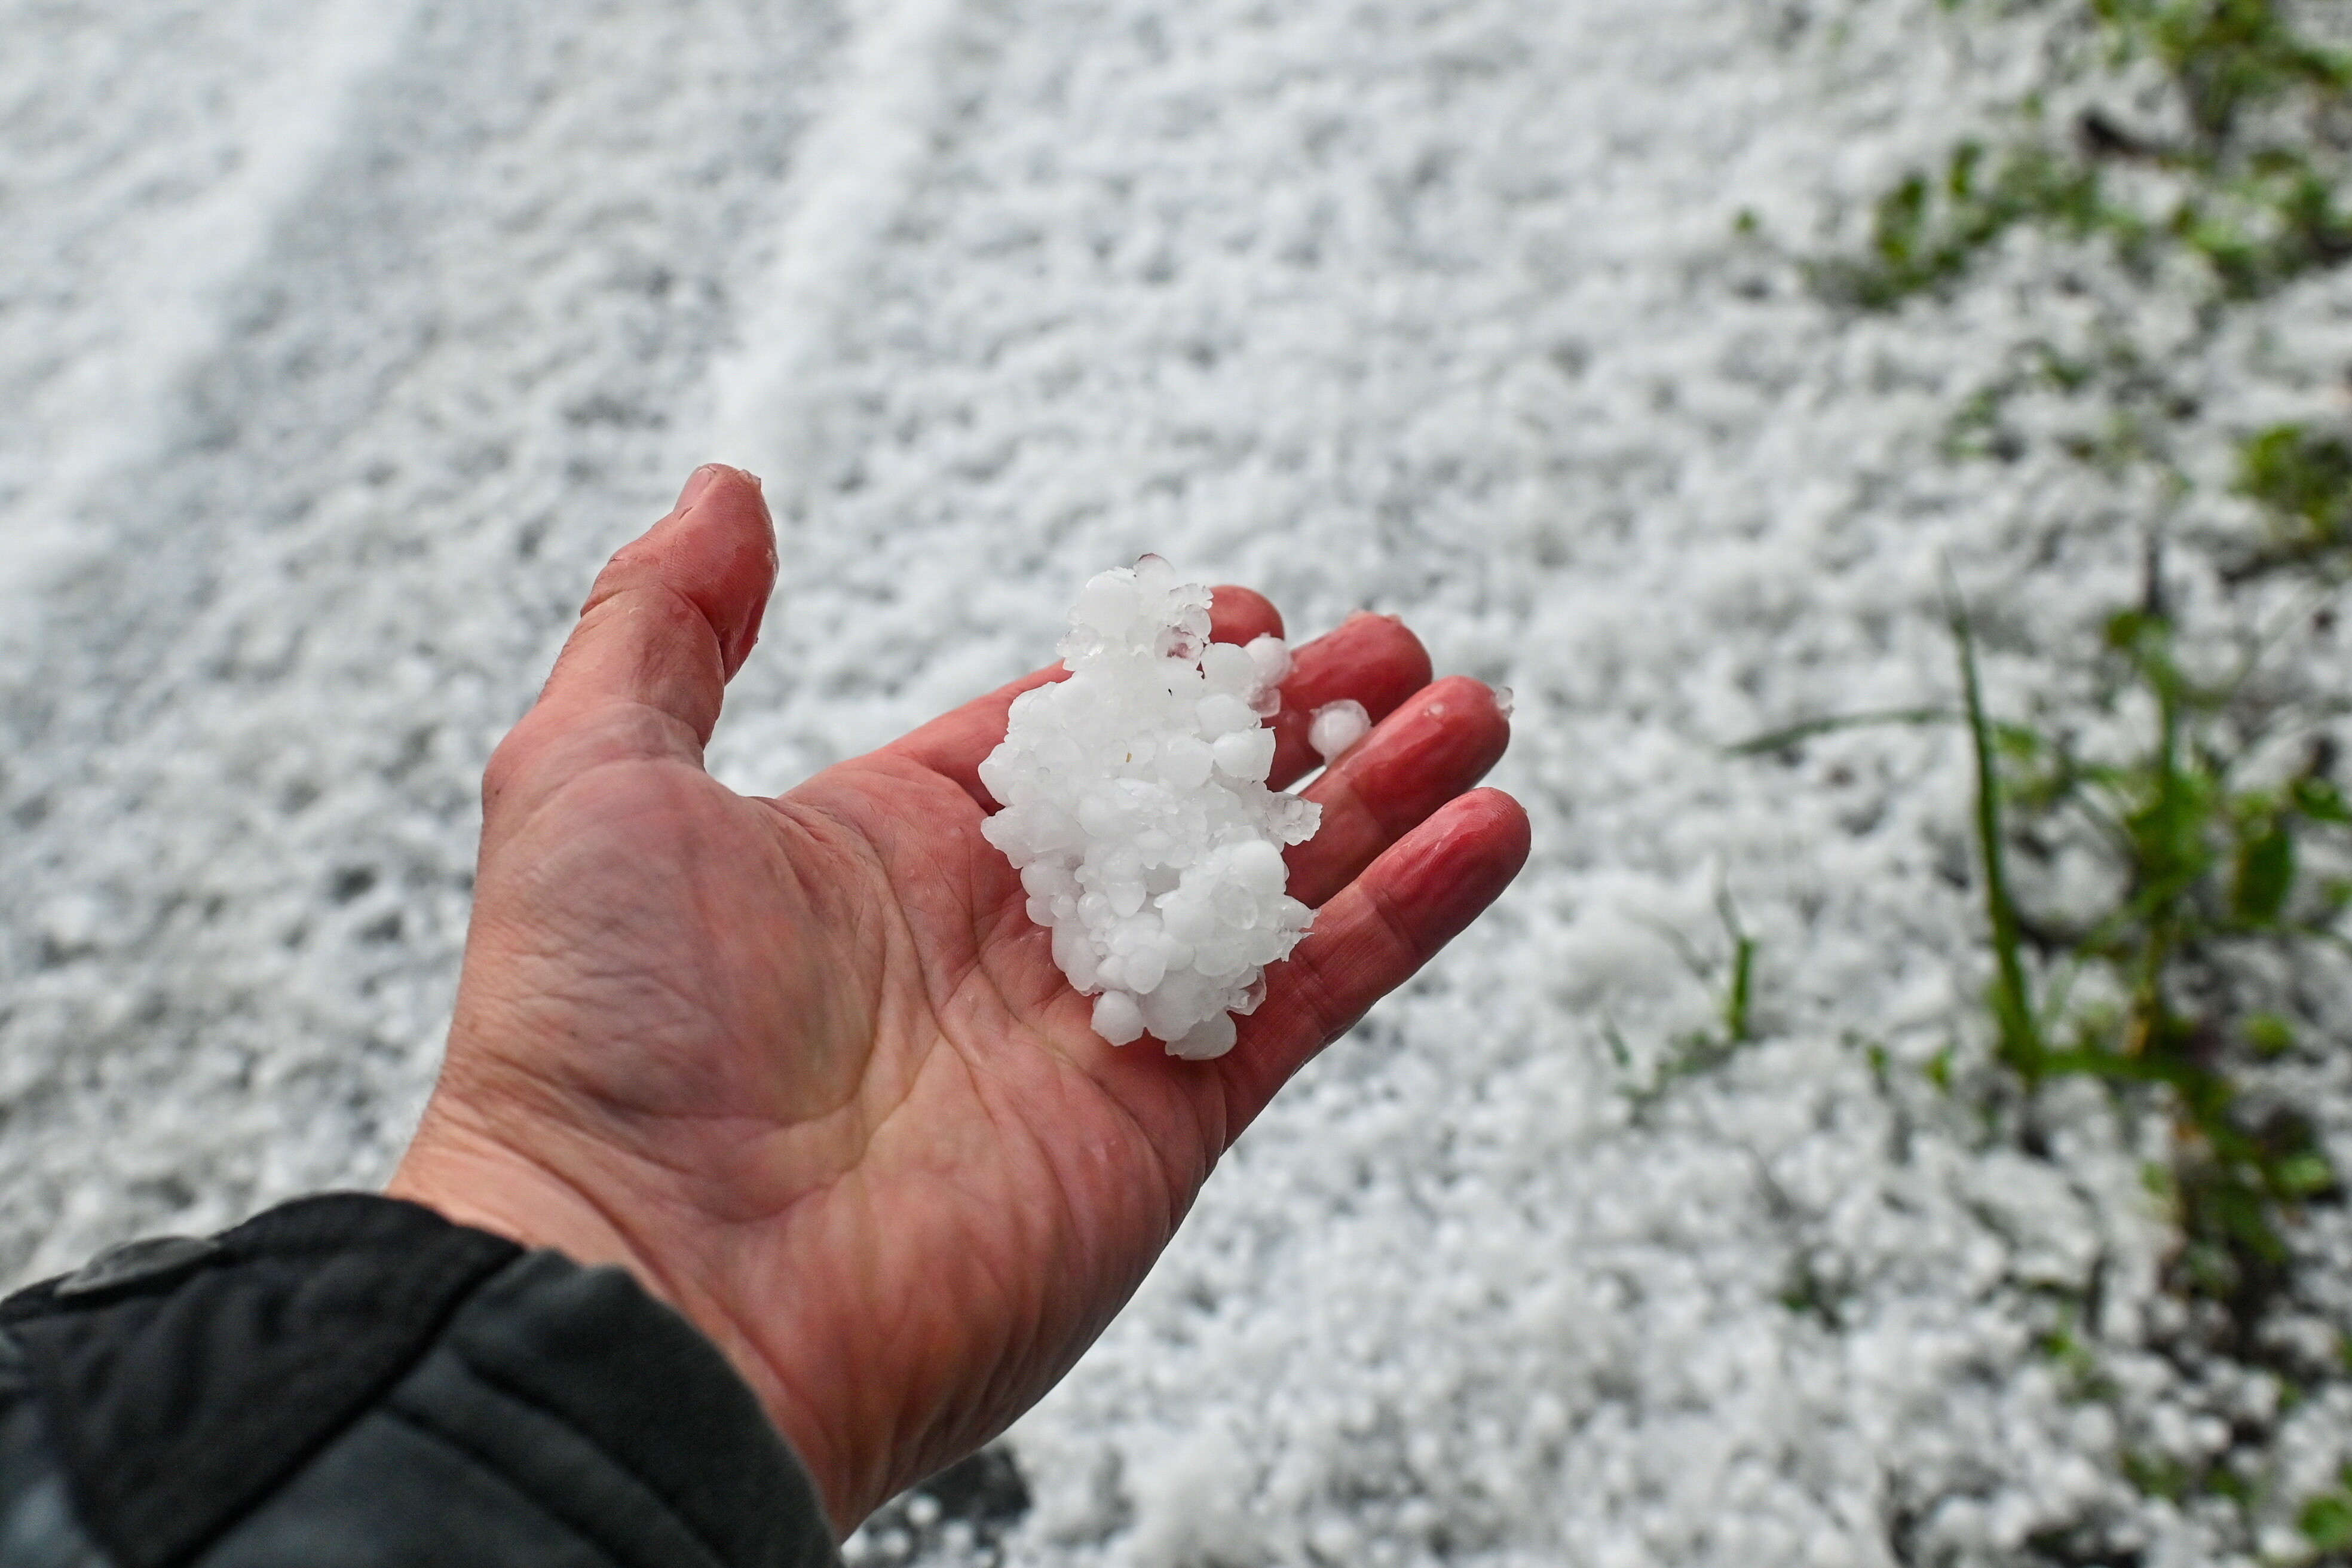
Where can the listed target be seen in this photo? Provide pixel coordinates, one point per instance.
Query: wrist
(478, 1182)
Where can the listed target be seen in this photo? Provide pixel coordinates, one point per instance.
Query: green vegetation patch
(2207, 147)
(2243, 168)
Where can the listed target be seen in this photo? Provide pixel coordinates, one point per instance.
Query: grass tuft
(2327, 1519)
(2211, 150)
(2302, 479)
(1698, 1051)
(2252, 188)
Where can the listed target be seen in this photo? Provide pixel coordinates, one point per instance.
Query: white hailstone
(1137, 811)
(1335, 726)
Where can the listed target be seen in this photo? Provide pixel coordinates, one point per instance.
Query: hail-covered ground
(341, 339)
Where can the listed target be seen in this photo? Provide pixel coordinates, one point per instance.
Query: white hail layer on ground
(1436, 309)
(1137, 811)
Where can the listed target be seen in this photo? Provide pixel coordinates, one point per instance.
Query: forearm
(351, 1379)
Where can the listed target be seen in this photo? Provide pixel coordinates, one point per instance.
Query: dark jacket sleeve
(354, 1380)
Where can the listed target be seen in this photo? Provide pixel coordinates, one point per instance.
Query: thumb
(716, 550)
(668, 622)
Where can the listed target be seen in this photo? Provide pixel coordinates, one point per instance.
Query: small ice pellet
(1136, 810)
(1503, 700)
(1337, 726)
(1117, 1018)
(1272, 657)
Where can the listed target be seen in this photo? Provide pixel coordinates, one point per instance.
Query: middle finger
(1431, 748)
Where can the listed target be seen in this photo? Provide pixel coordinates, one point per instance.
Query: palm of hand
(806, 1067)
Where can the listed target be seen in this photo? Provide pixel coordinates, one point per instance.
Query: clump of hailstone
(1136, 810)
(1335, 726)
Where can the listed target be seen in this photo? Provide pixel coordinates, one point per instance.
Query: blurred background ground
(341, 342)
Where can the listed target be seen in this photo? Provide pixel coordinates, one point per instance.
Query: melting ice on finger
(1136, 810)
(1335, 726)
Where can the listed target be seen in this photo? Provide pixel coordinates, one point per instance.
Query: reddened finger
(1370, 938)
(717, 549)
(1239, 615)
(1442, 741)
(1374, 660)
(668, 620)
(673, 614)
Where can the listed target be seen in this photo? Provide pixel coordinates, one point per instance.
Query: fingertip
(674, 612)
(1376, 659)
(1239, 615)
(697, 482)
(1460, 713)
(1448, 870)
(1389, 639)
(717, 548)
(1422, 757)
(1498, 833)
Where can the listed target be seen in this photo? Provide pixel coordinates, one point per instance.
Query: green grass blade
(2020, 1036)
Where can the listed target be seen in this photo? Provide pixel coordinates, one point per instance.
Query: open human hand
(805, 1066)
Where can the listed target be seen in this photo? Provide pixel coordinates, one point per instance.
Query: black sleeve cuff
(351, 1379)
